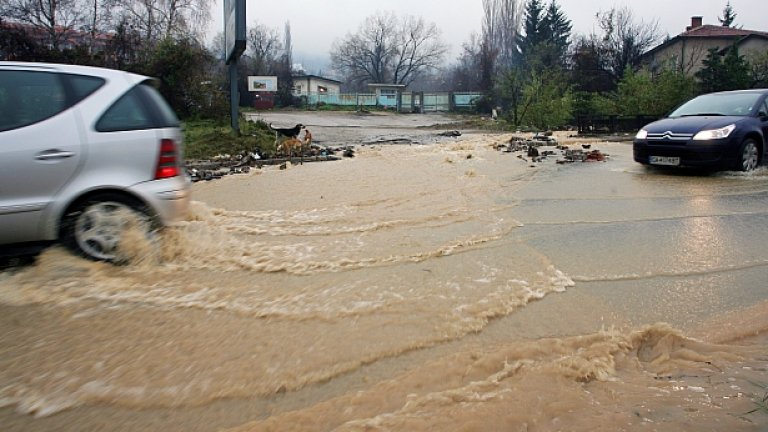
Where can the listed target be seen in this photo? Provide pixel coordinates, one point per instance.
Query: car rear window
(142, 107)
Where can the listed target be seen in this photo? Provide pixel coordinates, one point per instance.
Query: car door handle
(53, 154)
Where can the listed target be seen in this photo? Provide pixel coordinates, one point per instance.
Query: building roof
(317, 77)
(386, 85)
(710, 31)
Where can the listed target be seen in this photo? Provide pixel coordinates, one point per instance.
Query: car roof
(73, 69)
(755, 90)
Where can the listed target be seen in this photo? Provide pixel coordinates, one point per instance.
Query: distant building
(306, 85)
(686, 51)
(388, 95)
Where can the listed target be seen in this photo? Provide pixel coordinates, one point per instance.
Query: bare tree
(157, 19)
(386, 49)
(466, 73)
(501, 26)
(54, 18)
(418, 49)
(625, 39)
(186, 17)
(263, 48)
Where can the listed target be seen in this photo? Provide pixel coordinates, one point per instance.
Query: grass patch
(204, 139)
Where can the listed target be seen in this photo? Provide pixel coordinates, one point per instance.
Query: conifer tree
(545, 40)
(720, 74)
(557, 28)
(728, 15)
(532, 28)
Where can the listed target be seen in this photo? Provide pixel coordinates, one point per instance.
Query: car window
(763, 108)
(28, 97)
(727, 104)
(82, 86)
(166, 116)
(142, 107)
(128, 113)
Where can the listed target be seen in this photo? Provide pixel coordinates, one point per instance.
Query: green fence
(403, 102)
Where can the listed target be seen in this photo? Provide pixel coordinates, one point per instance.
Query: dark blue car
(719, 131)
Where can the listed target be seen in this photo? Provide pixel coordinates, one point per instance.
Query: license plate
(664, 160)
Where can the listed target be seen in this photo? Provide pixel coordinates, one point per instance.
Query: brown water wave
(654, 377)
(203, 322)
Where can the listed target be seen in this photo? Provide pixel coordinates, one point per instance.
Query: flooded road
(447, 286)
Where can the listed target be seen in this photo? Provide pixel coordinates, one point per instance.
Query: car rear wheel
(96, 227)
(749, 156)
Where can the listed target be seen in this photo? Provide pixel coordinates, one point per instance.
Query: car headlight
(641, 134)
(714, 134)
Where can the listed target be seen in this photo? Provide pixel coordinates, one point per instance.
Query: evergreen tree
(532, 28)
(736, 70)
(545, 41)
(720, 74)
(728, 15)
(557, 27)
(711, 72)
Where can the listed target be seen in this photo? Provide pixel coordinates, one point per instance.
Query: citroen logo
(666, 135)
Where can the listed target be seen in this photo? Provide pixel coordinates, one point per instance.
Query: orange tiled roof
(710, 30)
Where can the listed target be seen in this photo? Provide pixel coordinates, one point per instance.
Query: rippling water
(443, 287)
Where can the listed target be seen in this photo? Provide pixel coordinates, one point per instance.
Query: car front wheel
(98, 227)
(749, 156)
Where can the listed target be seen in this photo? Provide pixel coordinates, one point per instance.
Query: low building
(686, 51)
(388, 95)
(313, 85)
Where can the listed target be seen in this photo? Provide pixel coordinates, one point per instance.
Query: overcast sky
(316, 24)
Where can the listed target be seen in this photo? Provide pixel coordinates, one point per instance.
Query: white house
(306, 85)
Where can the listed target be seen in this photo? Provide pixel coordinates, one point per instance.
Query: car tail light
(168, 161)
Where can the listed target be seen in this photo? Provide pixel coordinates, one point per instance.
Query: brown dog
(294, 146)
(290, 147)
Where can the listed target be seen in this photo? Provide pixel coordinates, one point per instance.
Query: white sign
(262, 83)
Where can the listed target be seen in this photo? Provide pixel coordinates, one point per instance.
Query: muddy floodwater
(443, 285)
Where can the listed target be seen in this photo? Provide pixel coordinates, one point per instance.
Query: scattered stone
(546, 138)
(536, 154)
(225, 164)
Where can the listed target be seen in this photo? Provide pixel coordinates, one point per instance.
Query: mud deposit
(447, 286)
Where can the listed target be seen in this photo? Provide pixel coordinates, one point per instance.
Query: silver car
(83, 151)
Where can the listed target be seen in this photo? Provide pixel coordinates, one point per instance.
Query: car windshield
(719, 104)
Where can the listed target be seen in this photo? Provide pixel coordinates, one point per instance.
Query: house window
(321, 89)
(297, 89)
(389, 93)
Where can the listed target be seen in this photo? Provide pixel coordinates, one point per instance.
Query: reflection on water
(357, 295)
